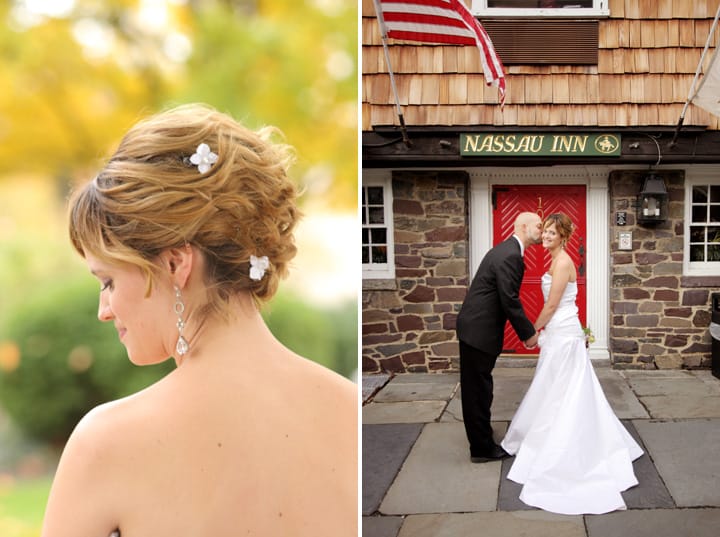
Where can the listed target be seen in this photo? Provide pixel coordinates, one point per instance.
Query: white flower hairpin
(203, 158)
(258, 266)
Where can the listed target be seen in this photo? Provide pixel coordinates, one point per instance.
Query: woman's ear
(179, 263)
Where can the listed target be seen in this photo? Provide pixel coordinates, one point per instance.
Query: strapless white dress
(572, 454)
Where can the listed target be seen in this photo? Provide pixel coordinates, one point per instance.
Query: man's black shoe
(495, 453)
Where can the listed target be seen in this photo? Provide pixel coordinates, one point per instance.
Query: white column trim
(479, 237)
(598, 265)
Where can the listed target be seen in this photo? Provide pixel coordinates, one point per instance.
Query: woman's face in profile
(144, 324)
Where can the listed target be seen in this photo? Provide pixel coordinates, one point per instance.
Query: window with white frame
(378, 258)
(540, 8)
(702, 225)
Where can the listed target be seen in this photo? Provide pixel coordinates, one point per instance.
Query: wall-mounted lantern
(652, 203)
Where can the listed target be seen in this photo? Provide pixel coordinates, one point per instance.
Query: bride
(573, 456)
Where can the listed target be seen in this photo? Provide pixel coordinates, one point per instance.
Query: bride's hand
(541, 339)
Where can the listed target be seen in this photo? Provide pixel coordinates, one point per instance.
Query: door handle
(581, 253)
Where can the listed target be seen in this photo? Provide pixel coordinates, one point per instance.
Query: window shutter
(557, 42)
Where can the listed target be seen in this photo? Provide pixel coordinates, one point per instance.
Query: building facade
(589, 128)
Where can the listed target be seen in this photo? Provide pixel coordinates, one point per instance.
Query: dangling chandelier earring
(182, 345)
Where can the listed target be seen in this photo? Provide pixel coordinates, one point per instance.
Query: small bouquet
(589, 337)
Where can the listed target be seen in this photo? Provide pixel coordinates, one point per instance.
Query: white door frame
(595, 178)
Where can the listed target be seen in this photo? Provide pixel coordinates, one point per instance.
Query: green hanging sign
(526, 144)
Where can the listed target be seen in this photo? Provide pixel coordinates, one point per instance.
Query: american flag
(442, 21)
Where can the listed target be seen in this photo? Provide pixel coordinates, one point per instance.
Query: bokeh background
(76, 74)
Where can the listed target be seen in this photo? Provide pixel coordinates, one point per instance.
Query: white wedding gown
(573, 456)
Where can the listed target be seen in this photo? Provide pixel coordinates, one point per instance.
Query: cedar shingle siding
(646, 60)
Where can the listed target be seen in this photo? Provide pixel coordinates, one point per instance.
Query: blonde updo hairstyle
(150, 197)
(563, 225)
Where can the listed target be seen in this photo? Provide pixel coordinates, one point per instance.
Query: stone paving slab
(658, 373)
(687, 457)
(508, 372)
(507, 394)
(650, 492)
(438, 477)
(515, 362)
(623, 401)
(453, 411)
(682, 406)
(406, 391)
(503, 407)
(381, 526)
(655, 523)
(510, 388)
(509, 493)
(403, 412)
(522, 523)
(384, 449)
(429, 378)
(706, 377)
(371, 384)
(676, 387)
(512, 384)
(690, 385)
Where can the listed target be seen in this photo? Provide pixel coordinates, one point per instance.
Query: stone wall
(408, 324)
(659, 319)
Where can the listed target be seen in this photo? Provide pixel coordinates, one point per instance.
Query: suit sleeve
(508, 282)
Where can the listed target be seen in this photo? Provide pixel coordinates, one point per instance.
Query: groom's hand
(532, 342)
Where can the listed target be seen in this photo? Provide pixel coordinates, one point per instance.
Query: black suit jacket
(493, 299)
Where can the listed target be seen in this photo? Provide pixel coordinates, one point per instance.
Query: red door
(508, 201)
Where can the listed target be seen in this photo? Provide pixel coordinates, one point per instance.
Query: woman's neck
(243, 329)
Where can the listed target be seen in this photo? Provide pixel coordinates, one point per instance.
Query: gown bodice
(569, 295)
(565, 319)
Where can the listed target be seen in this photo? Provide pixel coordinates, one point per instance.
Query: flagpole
(693, 91)
(383, 34)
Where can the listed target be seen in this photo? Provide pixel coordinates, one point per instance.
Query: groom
(493, 298)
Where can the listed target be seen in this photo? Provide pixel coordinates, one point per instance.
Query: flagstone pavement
(418, 480)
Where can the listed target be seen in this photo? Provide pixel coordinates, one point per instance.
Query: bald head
(528, 228)
(526, 219)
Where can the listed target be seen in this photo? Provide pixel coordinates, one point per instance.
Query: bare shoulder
(81, 497)
(96, 440)
(320, 405)
(324, 415)
(565, 264)
(324, 386)
(104, 432)
(99, 459)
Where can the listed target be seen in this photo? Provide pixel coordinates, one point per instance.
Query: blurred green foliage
(325, 335)
(69, 362)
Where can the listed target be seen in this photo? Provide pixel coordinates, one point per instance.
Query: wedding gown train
(573, 456)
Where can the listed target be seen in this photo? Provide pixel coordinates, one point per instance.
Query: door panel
(510, 200)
